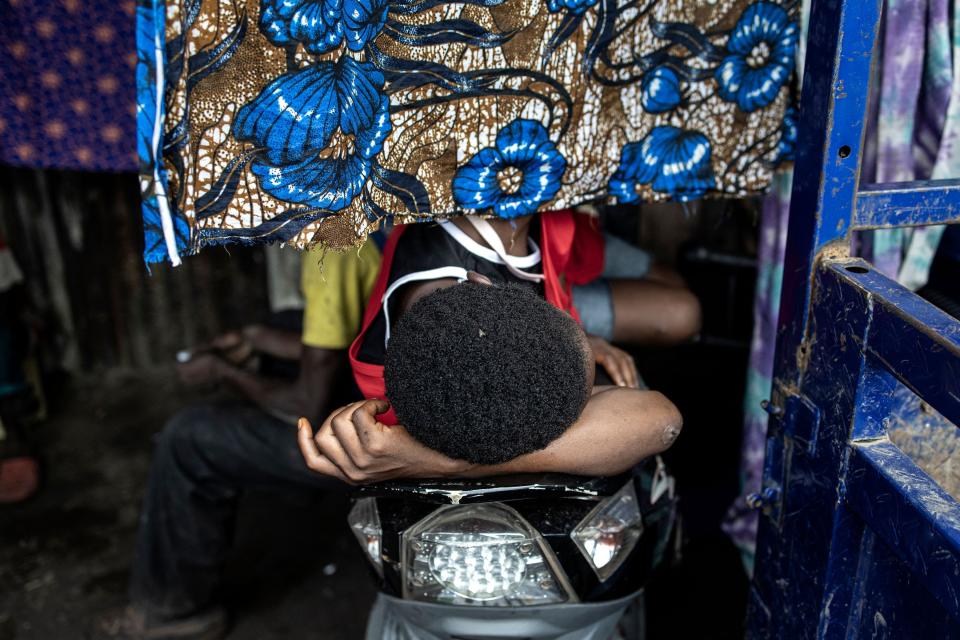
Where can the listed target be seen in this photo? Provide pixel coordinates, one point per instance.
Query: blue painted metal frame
(835, 85)
(861, 540)
(828, 203)
(907, 204)
(856, 539)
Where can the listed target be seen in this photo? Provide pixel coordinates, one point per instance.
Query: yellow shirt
(336, 287)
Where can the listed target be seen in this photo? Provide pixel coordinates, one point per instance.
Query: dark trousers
(205, 457)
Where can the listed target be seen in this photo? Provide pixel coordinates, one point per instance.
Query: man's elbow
(652, 421)
(667, 425)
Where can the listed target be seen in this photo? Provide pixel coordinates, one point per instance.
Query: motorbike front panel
(396, 619)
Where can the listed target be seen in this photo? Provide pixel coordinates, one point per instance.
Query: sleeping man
(489, 376)
(485, 378)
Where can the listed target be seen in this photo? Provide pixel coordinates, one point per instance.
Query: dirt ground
(64, 556)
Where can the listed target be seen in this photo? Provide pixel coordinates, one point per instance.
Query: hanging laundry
(67, 98)
(916, 127)
(311, 121)
(740, 521)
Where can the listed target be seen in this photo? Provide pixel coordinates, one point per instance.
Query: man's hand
(207, 363)
(234, 346)
(353, 446)
(616, 362)
(201, 369)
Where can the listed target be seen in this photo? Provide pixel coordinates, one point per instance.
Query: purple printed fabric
(929, 143)
(740, 522)
(902, 74)
(946, 47)
(912, 135)
(899, 95)
(67, 86)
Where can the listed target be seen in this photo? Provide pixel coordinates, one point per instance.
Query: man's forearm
(275, 342)
(308, 396)
(618, 428)
(278, 397)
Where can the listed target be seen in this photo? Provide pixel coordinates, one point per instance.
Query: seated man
(615, 429)
(209, 453)
(636, 300)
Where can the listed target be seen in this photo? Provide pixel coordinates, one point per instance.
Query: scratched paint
(907, 204)
(862, 538)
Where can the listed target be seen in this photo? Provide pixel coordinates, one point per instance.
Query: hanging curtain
(313, 121)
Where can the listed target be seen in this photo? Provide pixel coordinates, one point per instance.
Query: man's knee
(188, 432)
(687, 315)
(679, 317)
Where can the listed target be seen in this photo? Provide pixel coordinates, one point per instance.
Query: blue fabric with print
(671, 160)
(302, 121)
(760, 56)
(661, 90)
(306, 121)
(67, 84)
(322, 25)
(525, 147)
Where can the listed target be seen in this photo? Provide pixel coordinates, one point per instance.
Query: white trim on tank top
(477, 249)
(430, 274)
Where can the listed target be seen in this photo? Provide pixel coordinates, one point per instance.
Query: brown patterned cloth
(311, 121)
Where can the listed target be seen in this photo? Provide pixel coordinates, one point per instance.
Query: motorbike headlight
(364, 521)
(484, 554)
(608, 534)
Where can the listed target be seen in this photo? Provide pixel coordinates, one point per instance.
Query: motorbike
(534, 557)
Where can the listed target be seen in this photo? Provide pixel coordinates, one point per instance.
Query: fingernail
(301, 422)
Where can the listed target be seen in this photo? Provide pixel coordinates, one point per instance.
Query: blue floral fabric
(661, 90)
(760, 56)
(788, 136)
(304, 121)
(314, 121)
(322, 26)
(671, 160)
(573, 6)
(165, 235)
(524, 145)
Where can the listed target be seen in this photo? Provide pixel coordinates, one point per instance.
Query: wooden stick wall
(78, 239)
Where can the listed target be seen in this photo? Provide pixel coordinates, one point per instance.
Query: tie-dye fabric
(740, 521)
(916, 126)
(66, 84)
(310, 121)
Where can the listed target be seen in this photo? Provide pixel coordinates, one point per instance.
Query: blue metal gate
(855, 539)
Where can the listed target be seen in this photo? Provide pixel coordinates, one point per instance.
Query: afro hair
(486, 373)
